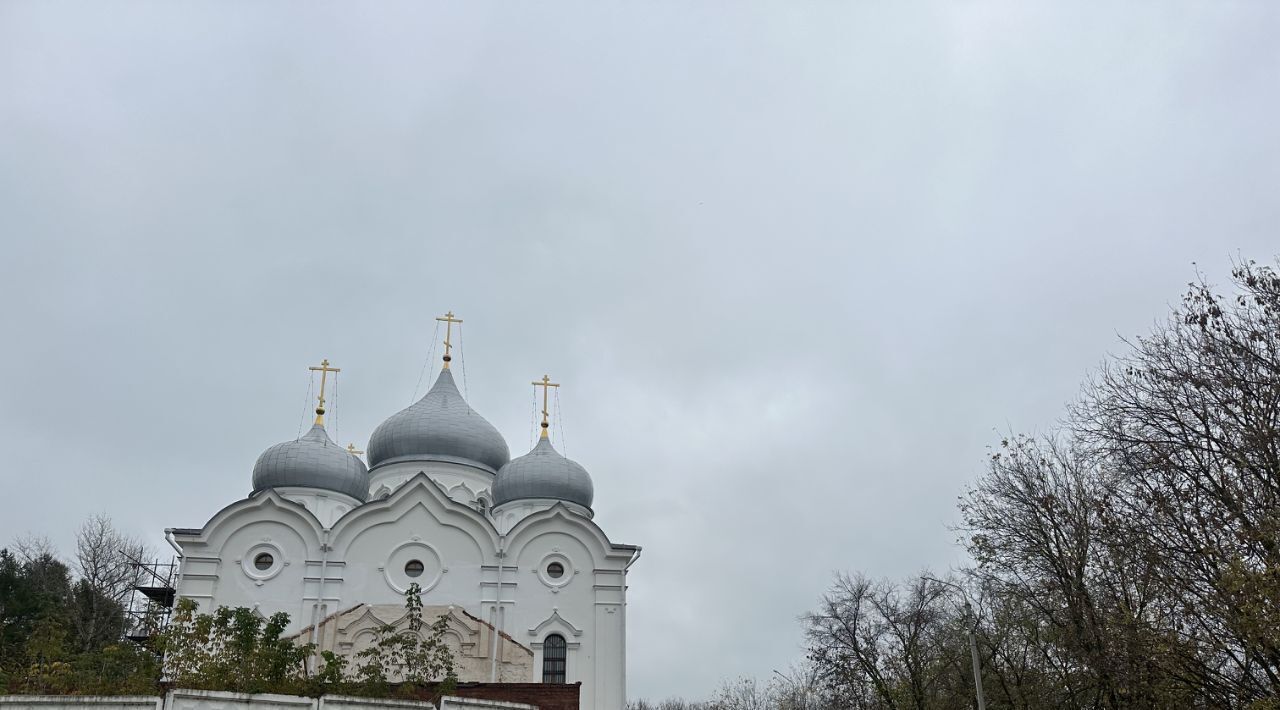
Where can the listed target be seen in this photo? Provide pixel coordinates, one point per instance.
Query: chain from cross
(448, 321)
(546, 384)
(324, 371)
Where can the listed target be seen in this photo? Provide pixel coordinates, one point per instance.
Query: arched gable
(419, 491)
(559, 519)
(264, 506)
(368, 619)
(360, 627)
(459, 627)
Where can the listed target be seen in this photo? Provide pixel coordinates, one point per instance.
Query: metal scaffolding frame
(151, 599)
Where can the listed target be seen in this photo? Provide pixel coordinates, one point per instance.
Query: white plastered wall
(362, 558)
(450, 476)
(327, 506)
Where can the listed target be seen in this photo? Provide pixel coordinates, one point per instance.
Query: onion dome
(439, 427)
(312, 461)
(543, 473)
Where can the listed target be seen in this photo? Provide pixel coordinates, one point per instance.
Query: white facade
(532, 570)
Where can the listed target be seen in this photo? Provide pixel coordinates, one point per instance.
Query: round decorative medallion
(263, 561)
(413, 562)
(555, 570)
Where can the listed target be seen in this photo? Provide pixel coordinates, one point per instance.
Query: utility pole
(971, 620)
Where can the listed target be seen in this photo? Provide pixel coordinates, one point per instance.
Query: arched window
(554, 652)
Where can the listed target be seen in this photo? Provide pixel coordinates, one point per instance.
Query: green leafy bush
(237, 650)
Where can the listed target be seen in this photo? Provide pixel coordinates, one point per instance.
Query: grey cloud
(795, 263)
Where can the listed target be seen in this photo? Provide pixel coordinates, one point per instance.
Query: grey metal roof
(439, 427)
(312, 461)
(543, 473)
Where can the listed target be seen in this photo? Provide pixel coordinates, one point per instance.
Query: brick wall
(546, 696)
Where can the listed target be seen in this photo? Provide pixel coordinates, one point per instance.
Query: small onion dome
(543, 473)
(312, 461)
(439, 427)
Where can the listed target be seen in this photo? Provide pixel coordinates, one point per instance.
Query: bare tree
(882, 645)
(799, 689)
(104, 555)
(668, 704)
(31, 547)
(742, 694)
(106, 575)
(1130, 559)
(1190, 420)
(1046, 544)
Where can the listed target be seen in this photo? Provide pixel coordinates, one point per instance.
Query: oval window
(414, 568)
(555, 570)
(263, 561)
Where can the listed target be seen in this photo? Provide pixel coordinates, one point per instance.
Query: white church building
(507, 548)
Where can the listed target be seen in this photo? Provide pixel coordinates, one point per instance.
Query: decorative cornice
(553, 620)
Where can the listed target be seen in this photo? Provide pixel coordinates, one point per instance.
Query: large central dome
(439, 427)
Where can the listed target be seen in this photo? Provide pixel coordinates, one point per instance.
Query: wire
(533, 415)
(306, 402)
(564, 447)
(334, 408)
(462, 357)
(431, 351)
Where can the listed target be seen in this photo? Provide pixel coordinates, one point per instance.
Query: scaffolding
(151, 598)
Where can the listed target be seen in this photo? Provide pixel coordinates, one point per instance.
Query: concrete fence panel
(218, 700)
(344, 702)
(452, 703)
(80, 702)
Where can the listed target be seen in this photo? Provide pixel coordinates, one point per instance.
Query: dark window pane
(554, 654)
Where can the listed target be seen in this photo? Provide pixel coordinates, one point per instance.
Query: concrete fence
(449, 703)
(80, 702)
(216, 700)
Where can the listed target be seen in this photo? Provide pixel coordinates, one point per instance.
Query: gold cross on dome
(546, 384)
(448, 321)
(324, 371)
(351, 449)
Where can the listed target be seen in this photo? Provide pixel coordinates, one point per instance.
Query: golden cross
(546, 384)
(324, 371)
(448, 320)
(351, 449)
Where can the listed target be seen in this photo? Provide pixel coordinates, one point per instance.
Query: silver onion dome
(439, 427)
(543, 473)
(312, 461)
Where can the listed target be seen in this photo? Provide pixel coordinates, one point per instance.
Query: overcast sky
(796, 264)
